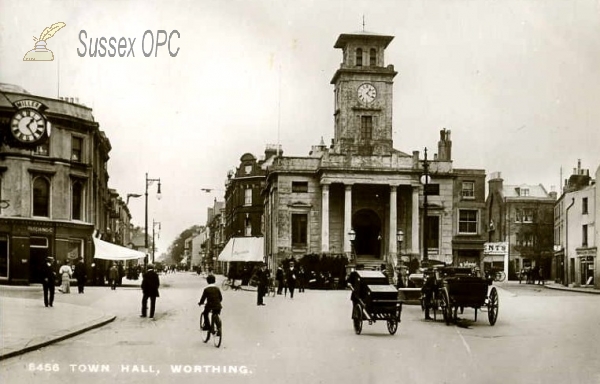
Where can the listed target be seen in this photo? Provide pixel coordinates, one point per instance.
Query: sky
(515, 81)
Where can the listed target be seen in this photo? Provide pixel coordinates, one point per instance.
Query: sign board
(495, 248)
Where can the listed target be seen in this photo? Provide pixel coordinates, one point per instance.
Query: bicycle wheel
(225, 285)
(217, 329)
(205, 333)
(357, 318)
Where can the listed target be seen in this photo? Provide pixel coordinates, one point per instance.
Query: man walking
(80, 275)
(279, 278)
(150, 284)
(48, 281)
(263, 281)
(291, 279)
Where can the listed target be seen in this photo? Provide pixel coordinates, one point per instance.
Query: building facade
(54, 183)
(523, 217)
(575, 233)
(360, 186)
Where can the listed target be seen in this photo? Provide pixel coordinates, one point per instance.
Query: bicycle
(230, 283)
(215, 321)
(496, 275)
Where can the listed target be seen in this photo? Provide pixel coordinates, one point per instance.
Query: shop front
(25, 244)
(586, 261)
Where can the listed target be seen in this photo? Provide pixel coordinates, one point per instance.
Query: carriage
(373, 299)
(455, 288)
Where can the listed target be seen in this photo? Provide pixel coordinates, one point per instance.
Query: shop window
(75, 249)
(467, 221)
(3, 256)
(41, 197)
(300, 186)
(299, 230)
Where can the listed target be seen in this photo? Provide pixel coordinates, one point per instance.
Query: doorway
(367, 226)
(38, 251)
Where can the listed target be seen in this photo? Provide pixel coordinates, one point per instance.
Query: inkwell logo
(40, 52)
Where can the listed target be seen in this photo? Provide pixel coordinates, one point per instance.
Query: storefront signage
(586, 252)
(40, 229)
(495, 248)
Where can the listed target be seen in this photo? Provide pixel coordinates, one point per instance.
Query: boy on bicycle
(213, 298)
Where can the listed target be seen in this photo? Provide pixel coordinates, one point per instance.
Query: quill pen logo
(40, 52)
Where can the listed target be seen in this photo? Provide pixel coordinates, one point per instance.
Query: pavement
(26, 324)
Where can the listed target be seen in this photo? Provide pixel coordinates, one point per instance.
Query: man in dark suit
(80, 275)
(213, 298)
(150, 284)
(292, 275)
(263, 282)
(48, 281)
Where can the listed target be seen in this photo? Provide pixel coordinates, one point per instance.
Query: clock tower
(363, 95)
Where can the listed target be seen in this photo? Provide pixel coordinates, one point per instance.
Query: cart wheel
(392, 326)
(225, 284)
(357, 318)
(446, 309)
(434, 305)
(493, 306)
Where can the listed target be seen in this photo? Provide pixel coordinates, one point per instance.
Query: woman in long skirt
(65, 273)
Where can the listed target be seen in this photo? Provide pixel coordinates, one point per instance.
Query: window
(41, 196)
(527, 215)
(248, 169)
(468, 189)
(373, 57)
(584, 206)
(584, 236)
(467, 221)
(366, 127)
(76, 149)
(433, 233)
(359, 57)
(524, 191)
(432, 189)
(77, 201)
(247, 227)
(300, 186)
(525, 239)
(299, 229)
(75, 247)
(248, 196)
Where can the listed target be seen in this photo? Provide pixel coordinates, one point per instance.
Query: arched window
(77, 201)
(41, 197)
(373, 57)
(359, 57)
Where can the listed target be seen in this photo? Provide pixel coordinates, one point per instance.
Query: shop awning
(243, 249)
(109, 251)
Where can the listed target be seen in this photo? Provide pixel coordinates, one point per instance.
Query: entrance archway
(367, 226)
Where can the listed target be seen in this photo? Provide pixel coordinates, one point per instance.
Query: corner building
(360, 183)
(54, 190)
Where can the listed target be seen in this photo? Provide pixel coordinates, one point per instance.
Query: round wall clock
(28, 125)
(367, 93)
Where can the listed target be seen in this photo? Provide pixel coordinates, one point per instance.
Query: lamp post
(158, 196)
(352, 237)
(400, 239)
(153, 244)
(425, 178)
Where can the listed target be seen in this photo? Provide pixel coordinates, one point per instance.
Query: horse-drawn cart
(373, 298)
(450, 289)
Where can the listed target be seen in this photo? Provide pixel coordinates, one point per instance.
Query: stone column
(415, 222)
(347, 219)
(325, 218)
(393, 245)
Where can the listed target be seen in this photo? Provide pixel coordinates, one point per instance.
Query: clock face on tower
(367, 93)
(28, 125)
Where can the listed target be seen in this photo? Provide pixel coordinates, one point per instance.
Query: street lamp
(153, 244)
(158, 196)
(400, 239)
(352, 237)
(425, 179)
